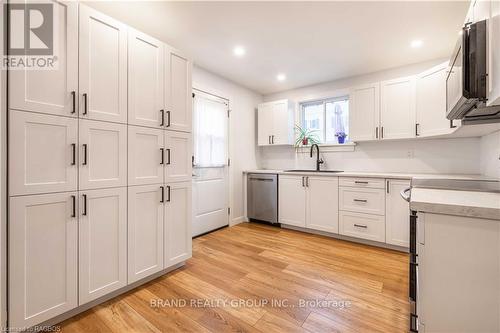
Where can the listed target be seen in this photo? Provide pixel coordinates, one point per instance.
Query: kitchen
(172, 174)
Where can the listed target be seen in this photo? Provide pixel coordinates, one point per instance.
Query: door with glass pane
(210, 163)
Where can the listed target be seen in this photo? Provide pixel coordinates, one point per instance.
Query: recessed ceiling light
(281, 77)
(239, 51)
(416, 43)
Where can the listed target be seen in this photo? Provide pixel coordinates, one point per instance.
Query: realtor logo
(29, 36)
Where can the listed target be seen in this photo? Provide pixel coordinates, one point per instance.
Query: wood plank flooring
(259, 278)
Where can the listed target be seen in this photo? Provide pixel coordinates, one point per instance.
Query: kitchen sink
(321, 171)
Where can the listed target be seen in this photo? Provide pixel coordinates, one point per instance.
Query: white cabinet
(103, 160)
(145, 231)
(102, 67)
(178, 91)
(178, 152)
(397, 214)
(145, 80)
(363, 200)
(360, 225)
(146, 157)
(102, 242)
(364, 114)
(42, 152)
(322, 204)
(494, 54)
(431, 102)
(275, 123)
(397, 108)
(292, 200)
(177, 227)
(43, 238)
(52, 91)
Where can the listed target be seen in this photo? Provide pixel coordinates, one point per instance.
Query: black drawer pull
(361, 226)
(360, 200)
(360, 182)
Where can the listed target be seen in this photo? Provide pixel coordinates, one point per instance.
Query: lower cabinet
(292, 200)
(43, 257)
(361, 225)
(397, 223)
(145, 231)
(102, 242)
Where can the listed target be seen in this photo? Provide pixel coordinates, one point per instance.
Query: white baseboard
(238, 220)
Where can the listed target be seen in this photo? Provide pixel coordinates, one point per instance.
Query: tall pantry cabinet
(99, 167)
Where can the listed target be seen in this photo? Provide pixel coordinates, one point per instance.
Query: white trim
(326, 148)
(237, 220)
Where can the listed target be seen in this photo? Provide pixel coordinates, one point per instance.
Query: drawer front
(366, 226)
(362, 182)
(368, 200)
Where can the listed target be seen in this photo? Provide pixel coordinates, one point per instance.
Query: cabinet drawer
(359, 225)
(368, 200)
(362, 182)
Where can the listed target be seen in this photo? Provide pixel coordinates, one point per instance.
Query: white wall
(490, 155)
(242, 129)
(417, 156)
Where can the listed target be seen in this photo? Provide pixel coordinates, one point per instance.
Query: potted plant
(341, 137)
(305, 137)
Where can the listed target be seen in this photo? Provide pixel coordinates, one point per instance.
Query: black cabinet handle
(85, 150)
(168, 193)
(272, 139)
(360, 182)
(73, 202)
(360, 200)
(307, 181)
(168, 118)
(162, 112)
(451, 124)
(162, 188)
(361, 226)
(269, 139)
(85, 103)
(416, 129)
(168, 156)
(162, 156)
(376, 132)
(382, 132)
(84, 196)
(303, 181)
(73, 96)
(387, 186)
(73, 149)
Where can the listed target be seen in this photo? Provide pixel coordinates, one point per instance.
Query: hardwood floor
(363, 288)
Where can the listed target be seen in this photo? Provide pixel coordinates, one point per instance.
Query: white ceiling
(311, 42)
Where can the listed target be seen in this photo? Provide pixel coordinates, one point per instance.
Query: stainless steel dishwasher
(262, 197)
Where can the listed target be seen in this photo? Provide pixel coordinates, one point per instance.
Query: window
(327, 119)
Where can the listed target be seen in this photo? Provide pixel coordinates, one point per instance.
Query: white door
(210, 171)
(102, 242)
(42, 153)
(178, 153)
(103, 159)
(323, 203)
(145, 231)
(397, 212)
(364, 114)
(397, 108)
(43, 236)
(265, 124)
(431, 102)
(102, 66)
(292, 200)
(52, 91)
(146, 155)
(177, 227)
(145, 80)
(280, 123)
(178, 91)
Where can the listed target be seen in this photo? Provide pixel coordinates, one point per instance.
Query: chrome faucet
(319, 161)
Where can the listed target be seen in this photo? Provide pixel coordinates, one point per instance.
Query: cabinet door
(177, 228)
(102, 242)
(146, 156)
(52, 91)
(42, 257)
(145, 80)
(364, 112)
(292, 200)
(42, 153)
(323, 204)
(178, 91)
(397, 108)
(282, 123)
(178, 152)
(431, 102)
(265, 124)
(102, 66)
(397, 219)
(145, 231)
(103, 160)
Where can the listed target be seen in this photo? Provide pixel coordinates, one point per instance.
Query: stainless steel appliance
(262, 197)
(466, 83)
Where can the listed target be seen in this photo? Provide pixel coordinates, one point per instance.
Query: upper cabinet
(275, 123)
(364, 113)
(178, 100)
(102, 67)
(397, 108)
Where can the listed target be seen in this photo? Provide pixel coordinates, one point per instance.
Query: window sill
(325, 148)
